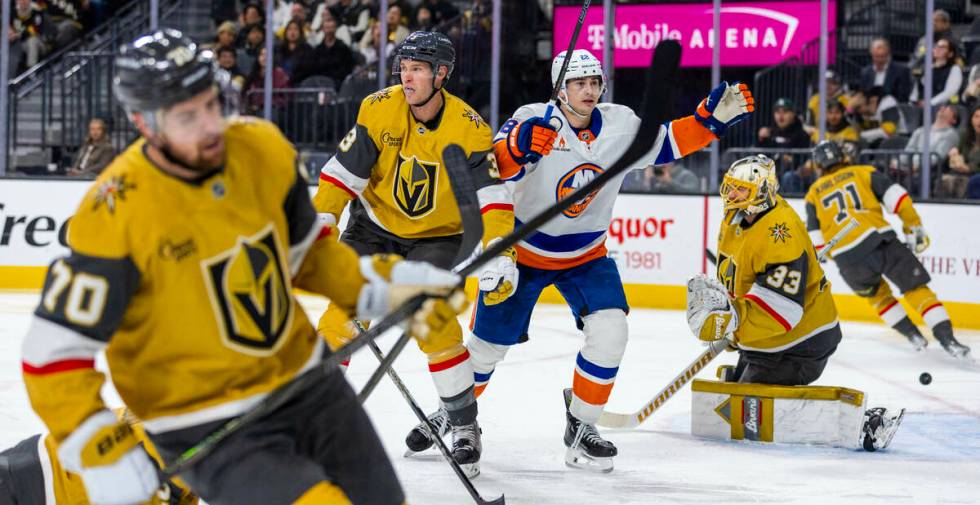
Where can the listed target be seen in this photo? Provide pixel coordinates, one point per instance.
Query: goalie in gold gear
(390, 166)
(183, 256)
(872, 251)
(771, 298)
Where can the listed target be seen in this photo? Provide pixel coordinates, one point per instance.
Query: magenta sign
(752, 33)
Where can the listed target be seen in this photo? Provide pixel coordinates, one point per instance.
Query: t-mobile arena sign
(752, 33)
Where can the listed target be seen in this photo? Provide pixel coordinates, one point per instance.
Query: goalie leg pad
(787, 414)
(597, 364)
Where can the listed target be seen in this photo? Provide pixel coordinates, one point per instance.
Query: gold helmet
(757, 174)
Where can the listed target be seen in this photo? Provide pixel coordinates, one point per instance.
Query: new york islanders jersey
(187, 288)
(391, 165)
(771, 270)
(578, 156)
(859, 192)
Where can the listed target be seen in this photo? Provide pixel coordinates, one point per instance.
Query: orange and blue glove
(725, 106)
(532, 139)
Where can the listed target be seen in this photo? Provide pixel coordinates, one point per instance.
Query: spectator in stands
(227, 57)
(96, 153)
(255, 84)
(332, 57)
(838, 128)
(66, 15)
(423, 19)
(973, 188)
(947, 76)
(299, 14)
(942, 138)
(29, 29)
(354, 14)
(442, 10)
(674, 178)
(371, 43)
(294, 55)
(875, 115)
(835, 93)
(248, 51)
(226, 37)
(964, 159)
(251, 16)
(942, 28)
(893, 77)
(972, 91)
(397, 31)
(282, 13)
(786, 130)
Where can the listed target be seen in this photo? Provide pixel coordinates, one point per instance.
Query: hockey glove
(114, 466)
(498, 278)
(725, 106)
(531, 139)
(709, 313)
(916, 238)
(435, 327)
(393, 280)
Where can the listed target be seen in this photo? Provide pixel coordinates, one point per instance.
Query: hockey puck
(925, 378)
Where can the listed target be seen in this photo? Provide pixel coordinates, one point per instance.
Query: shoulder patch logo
(111, 192)
(474, 118)
(379, 96)
(779, 233)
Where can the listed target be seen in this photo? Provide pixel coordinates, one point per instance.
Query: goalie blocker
(821, 415)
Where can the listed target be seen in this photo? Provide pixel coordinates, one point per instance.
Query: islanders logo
(574, 179)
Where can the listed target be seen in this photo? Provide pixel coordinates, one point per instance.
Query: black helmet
(828, 155)
(161, 69)
(432, 47)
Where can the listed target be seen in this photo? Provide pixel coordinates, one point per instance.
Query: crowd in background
(882, 112)
(40, 27)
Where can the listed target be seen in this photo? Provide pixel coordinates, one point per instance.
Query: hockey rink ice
(934, 458)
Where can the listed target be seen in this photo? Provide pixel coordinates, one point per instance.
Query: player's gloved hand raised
(709, 313)
(498, 277)
(114, 466)
(916, 238)
(531, 139)
(393, 280)
(725, 106)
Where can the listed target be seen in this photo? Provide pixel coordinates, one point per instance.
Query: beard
(202, 160)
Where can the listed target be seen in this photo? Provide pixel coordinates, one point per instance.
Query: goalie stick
(616, 420)
(660, 79)
(464, 190)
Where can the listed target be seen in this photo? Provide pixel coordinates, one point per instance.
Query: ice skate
(586, 448)
(467, 448)
(955, 349)
(879, 428)
(419, 440)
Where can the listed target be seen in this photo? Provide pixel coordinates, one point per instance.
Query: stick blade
(464, 189)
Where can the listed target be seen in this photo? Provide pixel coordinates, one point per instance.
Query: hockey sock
(926, 303)
(452, 374)
(484, 356)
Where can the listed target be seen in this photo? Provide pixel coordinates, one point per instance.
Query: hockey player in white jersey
(542, 163)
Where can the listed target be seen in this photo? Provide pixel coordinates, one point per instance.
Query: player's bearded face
(583, 93)
(193, 132)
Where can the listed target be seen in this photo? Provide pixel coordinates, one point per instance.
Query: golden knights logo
(379, 96)
(415, 184)
(250, 295)
(779, 232)
(726, 272)
(112, 192)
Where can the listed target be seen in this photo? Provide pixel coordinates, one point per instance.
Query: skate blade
(424, 455)
(581, 460)
(471, 470)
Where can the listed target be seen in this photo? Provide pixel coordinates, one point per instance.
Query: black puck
(925, 378)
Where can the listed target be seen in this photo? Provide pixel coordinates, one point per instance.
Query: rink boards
(658, 241)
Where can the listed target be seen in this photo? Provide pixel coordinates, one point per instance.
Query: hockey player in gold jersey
(30, 474)
(390, 167)
(872, 250)
(183, 257)
(771, 298)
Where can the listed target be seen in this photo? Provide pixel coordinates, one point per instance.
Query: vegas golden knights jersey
(391, 165)
(771, 270)
(187, 288)
(859, 192)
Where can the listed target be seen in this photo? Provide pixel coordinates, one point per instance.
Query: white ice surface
(934, 458)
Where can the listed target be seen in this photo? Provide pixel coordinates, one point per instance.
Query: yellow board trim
(833, 393)
(653, 296)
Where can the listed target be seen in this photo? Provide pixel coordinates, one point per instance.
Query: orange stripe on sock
(478, 390)
(590, 392)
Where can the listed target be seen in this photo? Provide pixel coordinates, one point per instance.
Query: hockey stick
(656, 102)
(464, 189)
(433, 431)
(615, 420)
(564, 65)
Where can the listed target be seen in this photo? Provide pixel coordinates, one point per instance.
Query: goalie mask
(581, 64)
(750, 185)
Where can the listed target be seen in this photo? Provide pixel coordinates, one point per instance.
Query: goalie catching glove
(113, 465)
(709, 312)
(725, 106)
(498, 277)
